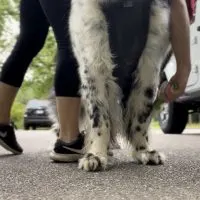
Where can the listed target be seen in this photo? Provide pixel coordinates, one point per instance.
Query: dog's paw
(91, 162)
(149, 157)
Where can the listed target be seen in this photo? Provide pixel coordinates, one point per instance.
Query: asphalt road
(33, 176)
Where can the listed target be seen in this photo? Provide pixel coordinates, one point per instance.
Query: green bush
(17, 114)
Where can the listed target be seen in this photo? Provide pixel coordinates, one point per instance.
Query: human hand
(177, 84)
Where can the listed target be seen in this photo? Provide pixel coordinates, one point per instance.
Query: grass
(155, 124)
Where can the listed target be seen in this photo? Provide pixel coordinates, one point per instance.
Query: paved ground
(33, 176)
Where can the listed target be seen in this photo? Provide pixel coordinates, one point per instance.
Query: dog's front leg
(89, 36)
(140, 103)
(98, 134)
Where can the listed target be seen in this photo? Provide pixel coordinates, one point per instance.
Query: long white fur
(99, 92)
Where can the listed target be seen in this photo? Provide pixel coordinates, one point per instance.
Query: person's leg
(66, 88)
(69, 129)
(66, 81)
(180, 39)
(33, 32)
(7, 96)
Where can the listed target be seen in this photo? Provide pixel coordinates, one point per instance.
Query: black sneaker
(68, 152)
(8, 139)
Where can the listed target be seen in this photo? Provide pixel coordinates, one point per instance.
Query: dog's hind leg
(89, 36)
(144, 91)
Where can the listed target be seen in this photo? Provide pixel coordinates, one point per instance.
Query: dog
(103, 113)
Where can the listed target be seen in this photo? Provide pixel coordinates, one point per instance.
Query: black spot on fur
(146, 115)
(91, 142)
(84, 87)
(85, 60)
(138, 128)
(129, 127)
(142, 118)
(144, 134)
(147, 138)
(98, 161)
(92, 88)
(99, 26)
(89, 155)
(91, 80)
(99, 134)
(149, 93)
(95, 116)
(149, 107)
(140, 148)
(152, 152)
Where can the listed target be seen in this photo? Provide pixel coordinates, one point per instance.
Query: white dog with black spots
(104, 116)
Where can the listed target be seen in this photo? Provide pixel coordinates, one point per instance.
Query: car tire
(34, 127)
(26, 127)
(173, 118)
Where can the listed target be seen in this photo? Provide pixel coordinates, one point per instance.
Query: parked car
(36, 114)
(174, 116)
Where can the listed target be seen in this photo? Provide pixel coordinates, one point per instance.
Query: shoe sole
(5, 146)
(65, 157)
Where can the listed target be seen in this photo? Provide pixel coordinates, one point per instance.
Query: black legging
(35, 18)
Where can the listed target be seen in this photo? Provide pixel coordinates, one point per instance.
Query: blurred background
(29, 107)
(39, 77)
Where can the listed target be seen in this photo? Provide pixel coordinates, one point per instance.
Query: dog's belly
(128, 22)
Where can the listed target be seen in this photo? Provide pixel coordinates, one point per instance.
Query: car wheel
(173, 118)
(34, 127)
(26, 127)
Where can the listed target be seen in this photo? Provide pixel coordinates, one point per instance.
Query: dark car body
(36, 114)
